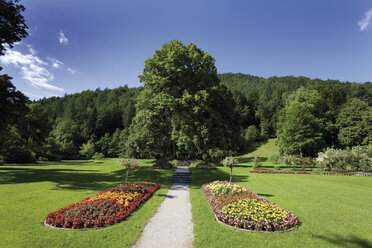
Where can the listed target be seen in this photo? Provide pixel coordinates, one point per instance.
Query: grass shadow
(342, 241)
(76, 179)
(265, 195)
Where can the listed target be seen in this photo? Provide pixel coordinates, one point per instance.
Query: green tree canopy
(183, 111)
(355, 123)
(12, 24)
(300, 130)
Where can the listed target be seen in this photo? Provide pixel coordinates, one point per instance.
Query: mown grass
(29, 192)
(334, 211)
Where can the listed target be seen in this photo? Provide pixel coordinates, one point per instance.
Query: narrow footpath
(172, 225)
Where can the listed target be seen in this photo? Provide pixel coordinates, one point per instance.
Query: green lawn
(29, 192)
(334, 211)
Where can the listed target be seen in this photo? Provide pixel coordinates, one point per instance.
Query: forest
(185, 110)
(306, 115)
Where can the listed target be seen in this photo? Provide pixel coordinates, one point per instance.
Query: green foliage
(257, 162)
(300, 129)
(98, 155)
(163, 163)
(16, 151)
(252, 134)
(12, 24)
(275, 159)
(183, 111)
(290, 160)
(355, 123)
(357, 158)
(67, 136)
(87, 150)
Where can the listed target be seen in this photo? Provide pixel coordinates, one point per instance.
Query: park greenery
(186, 112)
(306, 115)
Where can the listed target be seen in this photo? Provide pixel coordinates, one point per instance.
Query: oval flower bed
(238, 207)
(106, 208)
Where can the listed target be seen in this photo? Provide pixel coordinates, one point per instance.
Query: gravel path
(172, 225)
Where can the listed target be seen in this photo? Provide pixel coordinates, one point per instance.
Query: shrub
(252, 134)
(290, 160)
(183, 163)
(216, 155)
(162, 163)
(306, 162)
(332, 158)
(256, 163)
(98, 155)
(277, 167)
(87, 150)
(275, 158)
(357, 158)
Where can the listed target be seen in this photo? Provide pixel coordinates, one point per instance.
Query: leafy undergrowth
(241, 208)
(106, 208)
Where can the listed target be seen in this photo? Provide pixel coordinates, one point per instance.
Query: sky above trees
(79, 45)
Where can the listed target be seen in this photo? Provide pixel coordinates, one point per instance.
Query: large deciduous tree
(300, 129)
(183, 111)
(12, 24)
(355, 123)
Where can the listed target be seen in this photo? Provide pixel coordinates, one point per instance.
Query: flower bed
(243, 209)
(280, 172)
(106, 208)
(328, 173)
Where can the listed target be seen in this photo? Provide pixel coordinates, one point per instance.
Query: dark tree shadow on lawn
(352, 241)
(64, 178)
(76, 179)
(265, 195)
(148, 174)
(53, 163)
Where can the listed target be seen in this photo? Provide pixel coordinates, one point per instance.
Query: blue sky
(79, 45)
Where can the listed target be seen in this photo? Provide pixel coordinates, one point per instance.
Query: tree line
(305, 115)
(184, 110)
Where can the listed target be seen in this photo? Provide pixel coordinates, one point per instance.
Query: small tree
(87, 150)
(229, 162)
(129, 164)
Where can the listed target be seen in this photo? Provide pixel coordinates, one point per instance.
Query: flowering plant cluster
(247, 210)
(106, 208)
(225, 188)
(280, 172)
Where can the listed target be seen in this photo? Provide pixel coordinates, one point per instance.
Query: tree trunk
(230, 174)
(126, 178)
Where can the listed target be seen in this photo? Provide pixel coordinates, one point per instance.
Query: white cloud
(62, 38)
(56, 63)
(32, 51)
(72, 71)
(365, 22)
(32, 68)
